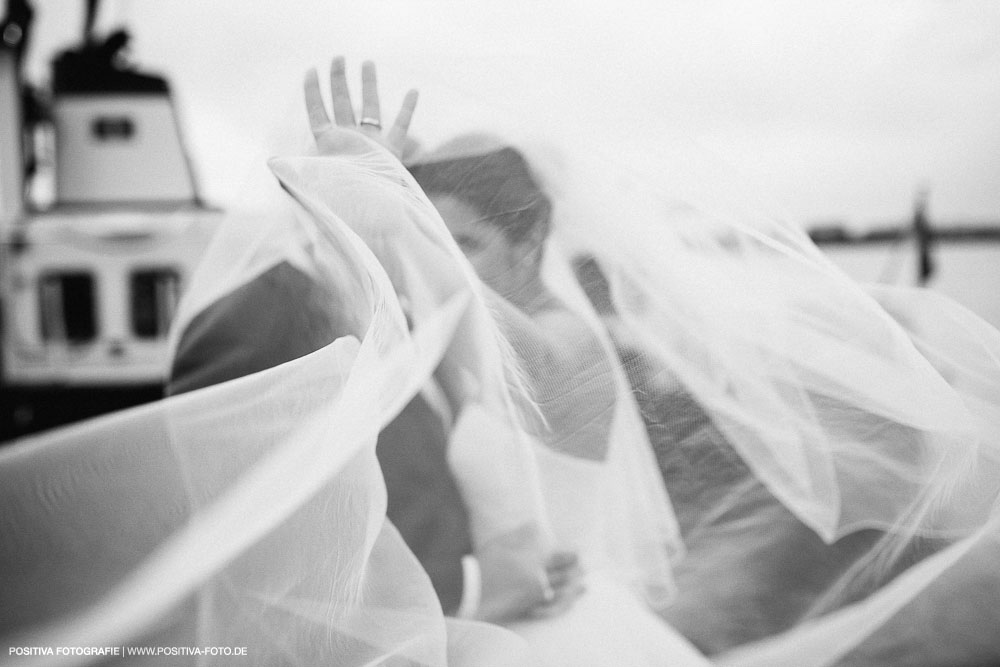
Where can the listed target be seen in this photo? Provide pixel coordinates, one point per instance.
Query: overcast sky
(832, 110)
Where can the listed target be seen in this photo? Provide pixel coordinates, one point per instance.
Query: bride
(599, 491)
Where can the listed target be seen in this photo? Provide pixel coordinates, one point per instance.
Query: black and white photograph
(497, 333)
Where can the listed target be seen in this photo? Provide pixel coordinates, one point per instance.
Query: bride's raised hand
(337, 136)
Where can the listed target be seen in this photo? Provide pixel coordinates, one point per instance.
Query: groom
(282, 315)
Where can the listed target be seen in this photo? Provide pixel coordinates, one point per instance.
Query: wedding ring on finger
(373, 122)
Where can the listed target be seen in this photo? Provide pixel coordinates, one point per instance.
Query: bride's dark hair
(498, 183)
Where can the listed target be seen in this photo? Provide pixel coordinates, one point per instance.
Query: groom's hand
(565, 580)
(518, 581)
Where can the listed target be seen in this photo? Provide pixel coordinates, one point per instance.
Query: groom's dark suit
(283, 315)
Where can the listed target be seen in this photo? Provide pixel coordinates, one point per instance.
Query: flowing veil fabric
(797, 469)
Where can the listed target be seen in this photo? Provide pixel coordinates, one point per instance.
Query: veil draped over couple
(487, 404)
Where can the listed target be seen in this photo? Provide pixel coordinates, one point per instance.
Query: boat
(89, 280)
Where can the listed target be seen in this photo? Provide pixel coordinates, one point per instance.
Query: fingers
(369, 93)
(319, 121)
(564, 577)
(397, 133)
(343, 110)
(563, 572)
(563, 599)
(562, 567)
(561, 559)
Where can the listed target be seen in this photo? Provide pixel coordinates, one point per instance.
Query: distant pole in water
(925, 236)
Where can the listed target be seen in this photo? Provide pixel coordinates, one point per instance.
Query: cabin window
(113, 128)
(68, 307)
(154, 296)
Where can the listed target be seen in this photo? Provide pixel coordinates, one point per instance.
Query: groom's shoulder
(278, 316)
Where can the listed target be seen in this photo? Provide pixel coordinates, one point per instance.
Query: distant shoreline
(963, 233)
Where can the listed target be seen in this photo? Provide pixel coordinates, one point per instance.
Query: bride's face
(500, 263)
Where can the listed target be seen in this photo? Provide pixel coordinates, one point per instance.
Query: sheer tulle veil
(798, 468)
